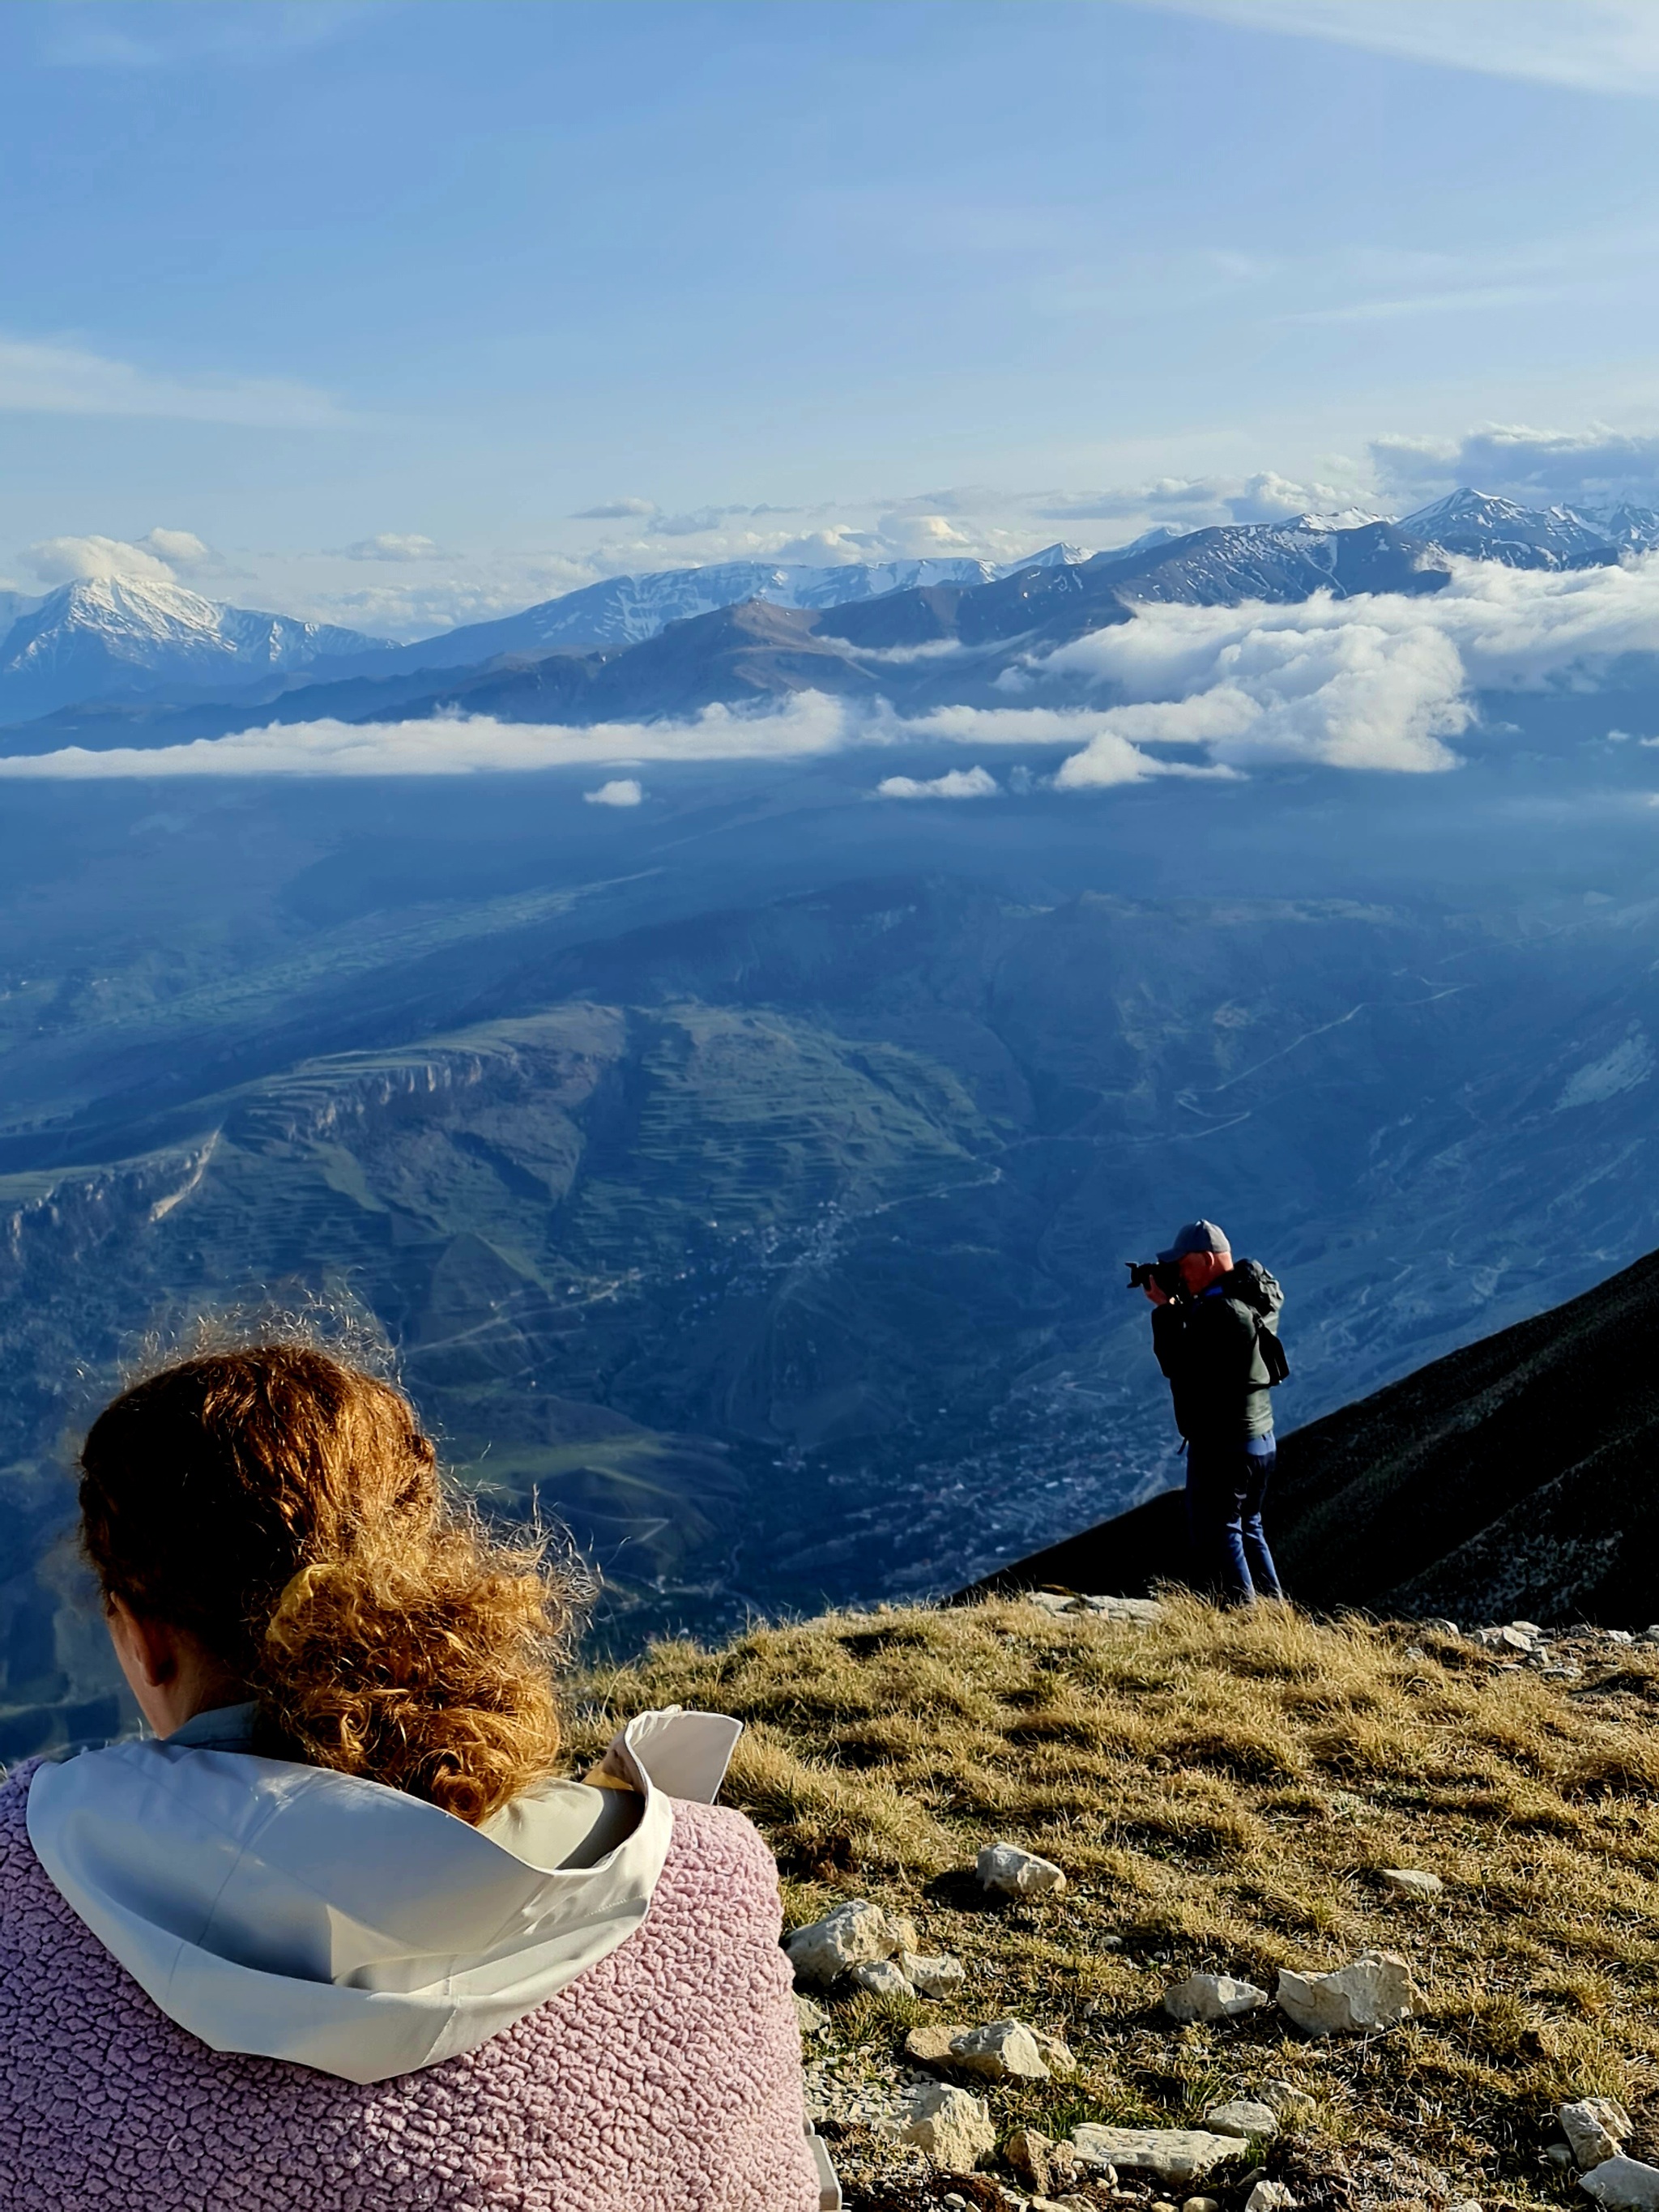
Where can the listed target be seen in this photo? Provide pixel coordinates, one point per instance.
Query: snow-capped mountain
(623, 610)
(120, 637)
(1488, 528)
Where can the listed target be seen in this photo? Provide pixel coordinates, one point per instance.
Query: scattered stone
(1413, 1651)
(1466, 2204)
(1410, 1882)
(1242, 2116)
(1177, 2155)
(881, 1978)
(1629, 2184)
(1213, 1997)
(1012, 1871)
(951, 2126)
(1294, 2106)
(902, 1932)
(853, 1934)
(1620, 1636)
(1373, 1990)
(931, 1977)
(1518, 1635)
(931, 2046)
(1269, 2196)
(1162, 2204)
(1057, 2054)
(1595, 2127)
(1003, 2050)
(810, 2018)
(1651, 1635)
(1201, 2204)
(1039, 2162)
(1441, 1626)
(1111, 1942)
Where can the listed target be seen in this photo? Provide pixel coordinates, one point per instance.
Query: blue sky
(411, 311)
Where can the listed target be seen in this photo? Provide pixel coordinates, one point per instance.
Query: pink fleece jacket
(665, 2079)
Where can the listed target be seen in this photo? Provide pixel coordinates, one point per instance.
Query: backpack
(1254, 1288)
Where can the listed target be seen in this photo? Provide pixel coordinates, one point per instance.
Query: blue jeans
(1225, 1486)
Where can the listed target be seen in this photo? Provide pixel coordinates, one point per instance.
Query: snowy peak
(1489, 528)
(123, 636)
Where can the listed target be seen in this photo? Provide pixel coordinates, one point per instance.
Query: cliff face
(1512, 1478)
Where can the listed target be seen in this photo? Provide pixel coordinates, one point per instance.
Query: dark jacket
(1218, 1377)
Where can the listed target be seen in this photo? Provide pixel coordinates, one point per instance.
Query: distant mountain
(149, 664)
(628, 610)
(1486, 528)
(115, 637)
(1509, 1480)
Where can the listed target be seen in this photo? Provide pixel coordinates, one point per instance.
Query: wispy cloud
(159, 34)
(42, 379)
(1590, 46)
(1598, 467)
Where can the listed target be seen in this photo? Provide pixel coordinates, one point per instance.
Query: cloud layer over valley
(1377, 683)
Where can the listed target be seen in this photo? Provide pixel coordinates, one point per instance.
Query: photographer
(1215, 1335)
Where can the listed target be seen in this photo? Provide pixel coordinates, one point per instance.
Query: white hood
(297, 1914)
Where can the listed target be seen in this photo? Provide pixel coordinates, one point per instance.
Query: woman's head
(283, 1512)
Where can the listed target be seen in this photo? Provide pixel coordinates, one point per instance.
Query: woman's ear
(148, 1649)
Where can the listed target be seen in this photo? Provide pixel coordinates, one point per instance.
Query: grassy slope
(1222, 1790)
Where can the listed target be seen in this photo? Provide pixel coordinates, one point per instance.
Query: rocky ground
(1109, 1902)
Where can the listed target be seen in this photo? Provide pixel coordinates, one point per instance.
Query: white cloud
(615, 510)
(392, 545)
(1593, 467)
(1592, 45)
(955, 783)
(75, 560)
(809, 724)
(1200, 503)
(153, 558)
(621, 791)
(66, 379)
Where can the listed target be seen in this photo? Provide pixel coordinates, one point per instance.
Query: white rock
(1441, 1627)
(1242, 2116)
(1012, 1871)
(1594, 2127)
(1620, 1636)
(1292, 2105)
(1175, 2154)
(1212, 1996)
(951, 2126)
(1127, 1612)
(1056, 2053)
(881, 1978)
(828, 1948)
(1651, 1635)
(1373, 1990)
(931, 1977)
(1003, 2050)
(812, 2019)
(1201, 2204)
(1269, 2196)
(1512, 1639)
(1628, 2184)
(1411, 1882)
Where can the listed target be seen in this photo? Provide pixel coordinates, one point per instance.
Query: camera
(1164, 1273)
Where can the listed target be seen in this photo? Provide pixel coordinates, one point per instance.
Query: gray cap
(1197, 1237)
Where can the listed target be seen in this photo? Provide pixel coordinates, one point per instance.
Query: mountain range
(162, 663)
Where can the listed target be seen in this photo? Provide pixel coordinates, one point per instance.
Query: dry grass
(1222, 1790)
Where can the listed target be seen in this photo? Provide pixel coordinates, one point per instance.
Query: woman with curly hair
(338, 1935)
